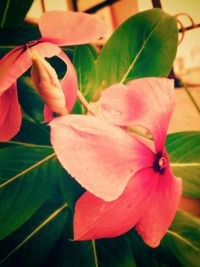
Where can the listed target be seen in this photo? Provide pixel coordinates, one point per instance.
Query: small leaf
(30, 101)
(184, 152)
(143, 46)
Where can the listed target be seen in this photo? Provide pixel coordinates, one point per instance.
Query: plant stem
(84, 103)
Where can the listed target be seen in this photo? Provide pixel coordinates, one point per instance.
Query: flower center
(160, 163)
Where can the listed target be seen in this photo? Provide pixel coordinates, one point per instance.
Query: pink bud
(47, 85)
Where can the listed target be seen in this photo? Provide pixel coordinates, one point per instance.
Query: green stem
(5, 13)
(84, 103)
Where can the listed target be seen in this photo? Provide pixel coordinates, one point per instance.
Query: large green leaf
(179, 248)
(184, 152)
(183, 240)
(12, 12)
(31, 244)
(84, 62)
(100, 253)
(27, 177)
(142, 46)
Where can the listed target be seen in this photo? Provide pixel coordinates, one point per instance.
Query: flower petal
(69, 84)
(100, 156)
(71, 28)
(148, 102)
(95, 218)
(17, 61)
(162, 208)
(10, 114)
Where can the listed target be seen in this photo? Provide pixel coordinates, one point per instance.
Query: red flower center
(159, 163)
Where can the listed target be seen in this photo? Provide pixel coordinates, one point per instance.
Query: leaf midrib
(185, 164)
(139, 52)
(183, 239)
(27, 170)
(33, 233)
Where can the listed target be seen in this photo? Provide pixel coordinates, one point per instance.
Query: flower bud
(47, 85)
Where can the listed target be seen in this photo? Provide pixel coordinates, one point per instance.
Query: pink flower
(57, 29)
(130, 181)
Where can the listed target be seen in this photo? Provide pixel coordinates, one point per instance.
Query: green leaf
(12, 12)
(33, 133)
(100, 253)
(27, 176)
(143, 46)
(30, 101)
(179, 248)
(184, 152)
(13, 36)
(84, 62)
(70, 189)
(183, 240)
(31, 244)
(115, 252)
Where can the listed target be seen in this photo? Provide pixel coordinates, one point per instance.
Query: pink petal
(71, 28)
(100, 156)
(95, 218)
(10, 114)
(148, 102)
(17, 61)
(162, 208)
(69, 84)
(48, 114)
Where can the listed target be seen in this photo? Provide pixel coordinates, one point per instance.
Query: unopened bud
(47, 85)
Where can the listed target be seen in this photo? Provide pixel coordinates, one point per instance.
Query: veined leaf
(31, 244)
(143, 46)
(179, 248)
(184, 152)
(84, 62)
(114, 252)
(183, 240)
(27, 176)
